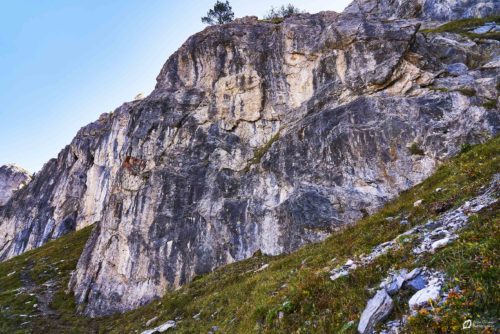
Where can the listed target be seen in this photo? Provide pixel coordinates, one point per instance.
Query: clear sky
(65, 62)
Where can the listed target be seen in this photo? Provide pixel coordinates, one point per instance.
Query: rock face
(67, 194)
(257, 137)
(12, 178)
(434, 10)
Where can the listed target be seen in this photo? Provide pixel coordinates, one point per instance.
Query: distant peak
(16, 168)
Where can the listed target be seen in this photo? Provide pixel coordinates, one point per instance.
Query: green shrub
(439, 89)
(415, 149)
(467, 91)
(464, 148)
(258, 153)
(282, 12)
(276, 20)
(490, 104)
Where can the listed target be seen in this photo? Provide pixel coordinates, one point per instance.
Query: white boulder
(377, 309)
(425, 296)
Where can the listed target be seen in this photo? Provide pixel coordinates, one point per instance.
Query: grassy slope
(463, 27)
(240, 301)
(50, 263)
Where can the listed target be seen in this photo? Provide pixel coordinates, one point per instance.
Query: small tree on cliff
(220, 14)
(282, 12)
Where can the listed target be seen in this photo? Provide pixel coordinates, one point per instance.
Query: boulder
(343, 270)
(456, 70)
(412, 274)
(417, 283)
(425, 296)
(418, 203)
(440, 244)
(484, 29)
(150, 321)
(395, 281)
(166, 326)
(377, 309)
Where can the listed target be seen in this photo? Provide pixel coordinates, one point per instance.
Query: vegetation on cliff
(466, 27)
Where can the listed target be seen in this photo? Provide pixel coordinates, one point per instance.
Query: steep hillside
(295, 293)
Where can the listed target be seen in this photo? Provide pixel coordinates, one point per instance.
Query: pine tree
(220, 14)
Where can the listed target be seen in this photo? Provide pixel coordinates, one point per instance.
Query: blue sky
(63, 63)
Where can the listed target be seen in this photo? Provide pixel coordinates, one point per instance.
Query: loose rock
(150, 321)
(162, 328)
(377, 309)
(440, 244)
(424, 296)
(417, 283)
(485, 28)
(264, 267)
(394, 281)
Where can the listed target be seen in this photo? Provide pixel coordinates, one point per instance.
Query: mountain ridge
(12, 178)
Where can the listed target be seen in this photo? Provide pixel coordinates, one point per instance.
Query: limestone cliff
(258, 136)
(12, 178)
(427, 10)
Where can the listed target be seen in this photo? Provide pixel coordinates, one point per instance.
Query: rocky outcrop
(258, 136)
(380, 306)
(67, 194)
(428, 237)
(12, 178)
(430, 10)
(427, 285)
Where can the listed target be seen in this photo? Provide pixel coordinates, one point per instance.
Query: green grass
(276, 20)
(472, 264)
(297, 285)
(415, 149)
(467, 91)
(439, 89)
(52, 262)
(259, 152)
(490, 104)
(463, 26)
